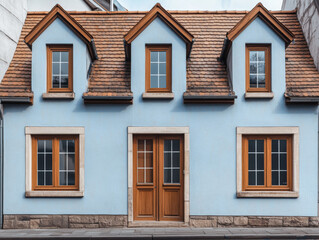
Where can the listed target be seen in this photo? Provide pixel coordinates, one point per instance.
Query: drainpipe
(1, 164)
(111, 5)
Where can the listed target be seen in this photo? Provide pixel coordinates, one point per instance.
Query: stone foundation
(105, 221)
(252, 221)
(63, 221)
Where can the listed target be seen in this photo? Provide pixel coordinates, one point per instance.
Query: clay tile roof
(159, 11)
(206, 76)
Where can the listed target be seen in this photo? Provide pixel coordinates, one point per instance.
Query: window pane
(253, 67)
(261, 67)
(162, 68)
(253, 81)
(154, 56)
(56, 56)
(63, 145)
(176, 175)
(251, 145)
(162, 56)
(40, 178)
(71, 178)
(274, 161)
(283, 145)
(261, 56)
(260, 161)
(261, 81)
(176, 145)
(154, 68)
(251, 178)
(167, 176)
(64, 81)
(40, 161)
(253, 56)
(176, 159)
(56, 82)
(56, 68)
(63, 177)
(149, 175)
(167, 145)
(48, 178)
(260, 178)
(140, 176)
(251, 161)
(274, 145)
(283, 178)
(71, 146)
(63, 160)
(64, 57)
(167, 160)
(71, 161)
(154, 81)
(162, 82)
(48, 163)
(41, 146)
(64, 68)
(274, 178)
(283, 161)
(260, 145)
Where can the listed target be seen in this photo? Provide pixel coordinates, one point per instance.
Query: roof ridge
(170, 11)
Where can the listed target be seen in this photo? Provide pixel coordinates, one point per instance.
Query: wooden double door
(158, 179)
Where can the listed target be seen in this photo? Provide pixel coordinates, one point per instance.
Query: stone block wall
(106, 221)
(63, 221)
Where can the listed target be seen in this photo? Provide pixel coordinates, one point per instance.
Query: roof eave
(199, 99)
(311, 100)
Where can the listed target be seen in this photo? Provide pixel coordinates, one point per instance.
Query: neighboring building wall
(308, 15)
(12, 16)
(47, 5)
(212, 133)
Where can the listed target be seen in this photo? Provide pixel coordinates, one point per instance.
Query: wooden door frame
(159, 131)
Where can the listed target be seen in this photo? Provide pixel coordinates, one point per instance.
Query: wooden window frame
(55, 163)
(267, 49)
(168, 49)
(63, 48)
(267, 163)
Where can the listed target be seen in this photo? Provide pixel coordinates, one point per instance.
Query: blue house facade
(178, 126)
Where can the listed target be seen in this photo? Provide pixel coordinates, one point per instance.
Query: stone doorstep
(120, 221)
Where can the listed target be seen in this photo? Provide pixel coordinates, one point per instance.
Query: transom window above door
(158, 68)
(258, 64)
(60, 68)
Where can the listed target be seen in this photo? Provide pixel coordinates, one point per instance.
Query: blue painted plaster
(212, 132)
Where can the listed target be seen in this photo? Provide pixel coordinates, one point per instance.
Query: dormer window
(158, 68)
(258, 64)
(59, 68)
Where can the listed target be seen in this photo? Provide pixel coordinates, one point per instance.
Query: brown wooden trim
(58, 12)
(260, 11)
(267, 49)
(62, 48)
(267, 161)
(55, 162)
(158, 11)
(168, 50)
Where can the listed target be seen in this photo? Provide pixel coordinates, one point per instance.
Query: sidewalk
(163, 233)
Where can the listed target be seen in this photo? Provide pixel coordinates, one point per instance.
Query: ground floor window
(54, 161)
(267, 161)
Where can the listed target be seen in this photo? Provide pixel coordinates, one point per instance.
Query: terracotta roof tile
(110, 75)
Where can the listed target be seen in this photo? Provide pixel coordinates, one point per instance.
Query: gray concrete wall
(12, 16)
(308, 15)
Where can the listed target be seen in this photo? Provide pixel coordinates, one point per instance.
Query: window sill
(69, 96)
(268, 194)
(158, 95)
(54, 193)
(264, 95)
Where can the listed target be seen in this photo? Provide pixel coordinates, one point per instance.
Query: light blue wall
(212, 132)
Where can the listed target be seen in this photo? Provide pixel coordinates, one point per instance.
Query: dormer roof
(58, 12)
(159, 11)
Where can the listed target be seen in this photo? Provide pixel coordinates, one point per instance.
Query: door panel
(144, 178)
(158, 163)
(171, 182)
